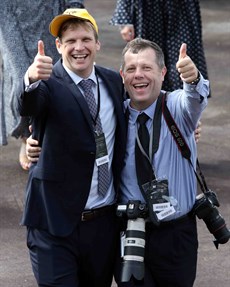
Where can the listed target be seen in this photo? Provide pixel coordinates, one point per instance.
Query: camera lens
(205, 208)
(217, 226)
(133, 264)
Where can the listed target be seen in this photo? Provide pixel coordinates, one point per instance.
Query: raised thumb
(41, 48)
(183, 51)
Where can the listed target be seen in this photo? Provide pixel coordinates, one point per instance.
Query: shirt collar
(78, 79)
(149, 111)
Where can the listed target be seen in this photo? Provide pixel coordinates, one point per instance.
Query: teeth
(79, 57)
(140, 85)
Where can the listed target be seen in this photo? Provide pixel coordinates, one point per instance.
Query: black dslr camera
(205, 208)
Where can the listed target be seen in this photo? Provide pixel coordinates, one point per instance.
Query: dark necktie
(103, 172)
(143, 167)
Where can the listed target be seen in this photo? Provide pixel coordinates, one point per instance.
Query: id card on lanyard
(101, 149)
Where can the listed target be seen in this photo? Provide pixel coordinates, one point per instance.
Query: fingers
(198, 132)
(32, 149)
(31, 142)
(197, 135)
(199, 124)
(33, 156)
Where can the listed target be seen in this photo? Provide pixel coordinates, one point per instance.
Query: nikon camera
(205, 208)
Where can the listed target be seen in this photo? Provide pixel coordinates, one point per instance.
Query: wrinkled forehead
(144, 56)
(143, 51)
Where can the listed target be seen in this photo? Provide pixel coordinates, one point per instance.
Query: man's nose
(79, 45)
(138, 73)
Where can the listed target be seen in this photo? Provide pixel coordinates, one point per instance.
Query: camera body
(134, 243)
(205, 208)
(132, 210)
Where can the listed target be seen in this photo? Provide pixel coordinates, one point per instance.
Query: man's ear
(58, 45)
(163, 72)
(98, 46)
(121, 74)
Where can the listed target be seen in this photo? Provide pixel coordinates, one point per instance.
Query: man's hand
(32, 149)
(42, 66)
(185, 66)
(198, 132)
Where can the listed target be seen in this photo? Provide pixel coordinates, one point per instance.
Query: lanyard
(149, 156)
(154, 133)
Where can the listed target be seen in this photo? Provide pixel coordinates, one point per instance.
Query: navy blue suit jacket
(59, 184)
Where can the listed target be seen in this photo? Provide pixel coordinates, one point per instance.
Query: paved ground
(214, 152)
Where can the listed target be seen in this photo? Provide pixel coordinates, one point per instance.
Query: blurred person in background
(22, 24)
(169, 24)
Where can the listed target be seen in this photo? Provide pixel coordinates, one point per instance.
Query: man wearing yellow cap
(77, 114)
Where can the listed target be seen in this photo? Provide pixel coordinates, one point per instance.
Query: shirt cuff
(200, 89)
(30, 87)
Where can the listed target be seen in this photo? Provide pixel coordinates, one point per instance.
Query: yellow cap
(71, 13)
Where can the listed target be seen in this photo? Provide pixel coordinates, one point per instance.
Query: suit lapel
(62, 76)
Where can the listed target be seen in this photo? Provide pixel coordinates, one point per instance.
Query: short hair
(139, 44)
(76, 23)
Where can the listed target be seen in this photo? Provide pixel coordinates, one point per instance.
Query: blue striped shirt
(185, 107)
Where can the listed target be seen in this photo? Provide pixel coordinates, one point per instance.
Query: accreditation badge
(158, 199)
(101, 149)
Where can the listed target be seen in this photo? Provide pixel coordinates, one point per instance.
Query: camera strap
(161, 108)
(181, 143)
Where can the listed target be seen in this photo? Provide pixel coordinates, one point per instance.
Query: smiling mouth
(79, 57)
(140, 86)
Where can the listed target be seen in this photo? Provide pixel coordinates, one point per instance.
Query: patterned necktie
(103, 172)
(143, 167)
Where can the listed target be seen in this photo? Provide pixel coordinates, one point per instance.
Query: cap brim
(56, 23)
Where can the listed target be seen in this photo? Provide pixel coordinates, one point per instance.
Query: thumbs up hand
(185, 66)
(42, 66)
